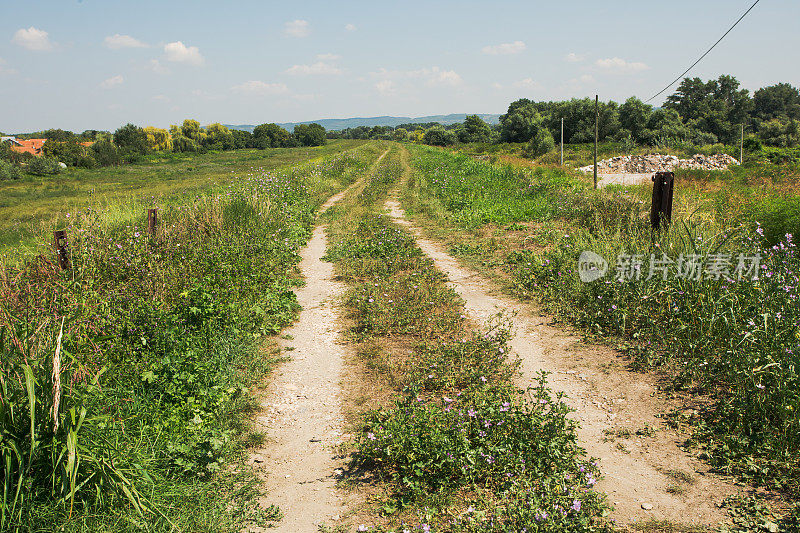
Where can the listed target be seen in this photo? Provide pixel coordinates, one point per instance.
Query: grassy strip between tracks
(125, 381)
(449, 442)
(735, 340)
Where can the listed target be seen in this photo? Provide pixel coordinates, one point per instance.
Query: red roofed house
(31, 146)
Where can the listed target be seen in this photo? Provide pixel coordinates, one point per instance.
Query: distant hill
(333, 124)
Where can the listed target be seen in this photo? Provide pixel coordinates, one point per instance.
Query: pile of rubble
(648, 164)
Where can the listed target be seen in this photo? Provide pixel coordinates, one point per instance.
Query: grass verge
(125, 381)
(734, 340)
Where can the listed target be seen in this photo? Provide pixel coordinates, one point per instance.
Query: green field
(31, 206)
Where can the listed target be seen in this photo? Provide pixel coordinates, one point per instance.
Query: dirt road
(646, 476)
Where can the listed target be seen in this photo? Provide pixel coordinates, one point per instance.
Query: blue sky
(102, 63)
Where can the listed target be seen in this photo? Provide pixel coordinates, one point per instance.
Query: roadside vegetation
(31, 206)
(126, 382)
(450, 442)
(733, 341)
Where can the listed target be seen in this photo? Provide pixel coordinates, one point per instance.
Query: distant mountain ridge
(334, 124)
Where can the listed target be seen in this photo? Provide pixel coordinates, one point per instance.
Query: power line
(704, 55)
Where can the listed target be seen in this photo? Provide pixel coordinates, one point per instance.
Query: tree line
(697, 113)
(127, 144)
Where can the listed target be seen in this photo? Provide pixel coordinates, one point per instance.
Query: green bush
(43, 166)
(9, 171)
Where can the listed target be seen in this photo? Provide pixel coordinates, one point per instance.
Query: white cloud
(180, 53)
(296, 28)
(4, 69)
(587, 78)
(572, 57)
(112, 81)
(391, 82)
(528, 83)
(156, 66)
(444, 77)
(386, 87)
(32, 39)
(504, 49)
(320, 67)
(328, 57)
(350, 27)
(261, 88)
(161, 98)
(620, 65)
(496, 85)
(117, 41)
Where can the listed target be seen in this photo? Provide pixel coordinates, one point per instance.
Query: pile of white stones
(647, 164)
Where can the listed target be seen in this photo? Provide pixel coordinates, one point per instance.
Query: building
(31, 146)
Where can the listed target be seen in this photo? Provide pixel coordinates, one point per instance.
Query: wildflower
(371, 436)
(483, 379)
(760, 386)
(576, 505)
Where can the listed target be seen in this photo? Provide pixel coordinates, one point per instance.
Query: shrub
(541, 143)
(9, 171)
(438, 136)
(43, 166)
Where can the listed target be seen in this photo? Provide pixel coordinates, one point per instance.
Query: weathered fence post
(661, 207)
(62, 248)
(152, 220)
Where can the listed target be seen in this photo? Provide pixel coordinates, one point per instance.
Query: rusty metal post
(62, 248)
(661, 206)
(152, 220)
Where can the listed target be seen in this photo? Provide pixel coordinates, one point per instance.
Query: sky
(99, 64)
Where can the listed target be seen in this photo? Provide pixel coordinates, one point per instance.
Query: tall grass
(124, 382)
(736, 340)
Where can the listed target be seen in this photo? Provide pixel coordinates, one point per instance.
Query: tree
(438, 136)
(131, 139)
(70, 153)
(182, 143)
(105, 153)
(310, 134)
(158, 139)
(271, 136)
(633, 116)
(475, 130)
(191, 130)
(777, 101)
(716, 107)
(218, 137)
(400, 134)
(541, 142)
(242, 139)
(517, 125)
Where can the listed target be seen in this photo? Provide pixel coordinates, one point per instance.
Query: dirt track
(611, 404)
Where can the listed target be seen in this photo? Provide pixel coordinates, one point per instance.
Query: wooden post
(152, 220)
(661, 206)
(596, 120)
(62, 248)
(741, 147)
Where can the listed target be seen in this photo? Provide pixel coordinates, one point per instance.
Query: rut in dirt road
(301, 410)
(611, 405)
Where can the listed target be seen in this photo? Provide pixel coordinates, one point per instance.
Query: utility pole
(596, 119)
(741, 147)
(562, 141)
